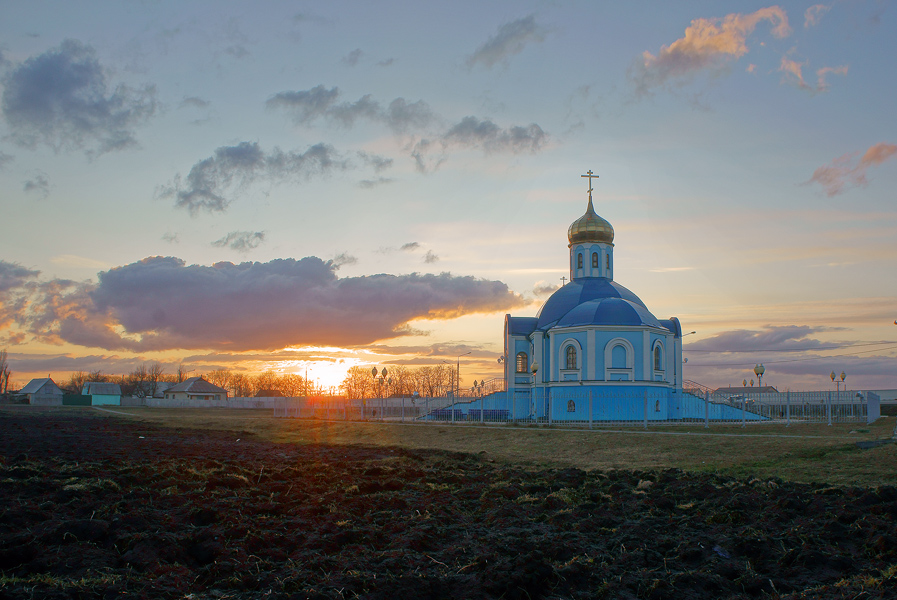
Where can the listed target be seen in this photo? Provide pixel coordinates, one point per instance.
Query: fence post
(743, 411)
(646, 409)
(548, 405)
(788, 409)
(706, 409)
(482, 409)
(590, 408)
(403, 408)
(829, 407)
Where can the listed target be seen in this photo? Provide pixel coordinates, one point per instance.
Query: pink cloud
(708, 44)
(813, 15)
(842, 171)
(793, 71)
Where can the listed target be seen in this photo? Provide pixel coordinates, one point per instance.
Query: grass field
(803, 453)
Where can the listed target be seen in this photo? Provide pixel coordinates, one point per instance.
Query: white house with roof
(42, 392)
(195, 388)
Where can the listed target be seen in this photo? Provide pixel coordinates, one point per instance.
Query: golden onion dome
(590, 228)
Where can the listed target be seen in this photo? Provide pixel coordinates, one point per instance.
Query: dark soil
(99, 508)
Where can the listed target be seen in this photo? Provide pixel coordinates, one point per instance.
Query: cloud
(306, 106)
(821, 84)
(238, 166)
(194, 102)
(410, 247)
(171, 237)
(379, 163)
(368, 184)
(472, 132)
(510, 39)
(163, 303)
(386, 62)
(14, 275)
(708, 46)
(342, 259)
(353, 57)
(62, 99)
(543, 288)
(793, 71)
(813, 15)
(787, 338)
(842, 172)
(430, 257)
(241, 241)
(39, 184)
(5, 159)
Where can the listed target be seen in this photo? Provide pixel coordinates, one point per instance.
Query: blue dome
(609, 311)
(585, 290)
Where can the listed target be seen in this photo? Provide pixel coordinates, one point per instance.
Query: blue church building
(593, 338)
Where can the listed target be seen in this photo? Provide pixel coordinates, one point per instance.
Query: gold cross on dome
(589, 174)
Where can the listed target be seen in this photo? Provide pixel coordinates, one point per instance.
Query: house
(42, 392)
(102, 393)
(195, 388)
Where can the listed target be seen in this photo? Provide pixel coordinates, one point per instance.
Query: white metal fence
(596, 408)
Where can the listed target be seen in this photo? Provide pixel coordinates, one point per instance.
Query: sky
(311, 186)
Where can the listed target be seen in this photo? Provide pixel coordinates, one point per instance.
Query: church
(593, 339)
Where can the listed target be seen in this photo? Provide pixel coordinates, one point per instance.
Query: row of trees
(143, 381)
(242, 385)
(430, 381)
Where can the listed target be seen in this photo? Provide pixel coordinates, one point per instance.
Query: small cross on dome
(589, 174)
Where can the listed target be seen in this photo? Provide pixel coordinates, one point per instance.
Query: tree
(143, 381)
(265, 381)
(291, 385)
(220, 377)
(358, 383)
(240, 385)
(76, 381)
(4, 372)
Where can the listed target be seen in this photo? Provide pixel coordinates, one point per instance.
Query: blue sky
(389, 179)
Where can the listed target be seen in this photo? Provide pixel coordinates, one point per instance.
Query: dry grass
(798, 453)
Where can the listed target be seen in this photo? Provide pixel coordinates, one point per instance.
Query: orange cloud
(793, 71)
(707, 44)
(842, 172)
(813, 15)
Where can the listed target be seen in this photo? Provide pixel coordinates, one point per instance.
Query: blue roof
(521, 325)
(586, 289)
(609, 311)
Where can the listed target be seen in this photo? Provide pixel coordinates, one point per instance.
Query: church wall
(605, 267)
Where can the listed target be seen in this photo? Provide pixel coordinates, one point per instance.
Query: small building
(195, 388)
(102, 392)
(42, 392)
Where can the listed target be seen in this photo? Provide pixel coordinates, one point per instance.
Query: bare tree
(240, 385)
(291, 385)
(220, 377)
(76, 381)
(358, 383)
(4, 372)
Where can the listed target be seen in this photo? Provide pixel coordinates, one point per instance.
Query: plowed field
(95, 507)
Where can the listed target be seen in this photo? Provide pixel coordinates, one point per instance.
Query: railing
(618, 406)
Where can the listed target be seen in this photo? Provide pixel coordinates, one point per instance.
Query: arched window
(571, 406)
(658, 358)
(571, 357)
(594, 260)
(619, 358)
(607, 261)
(579, 261)
(522, 362)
